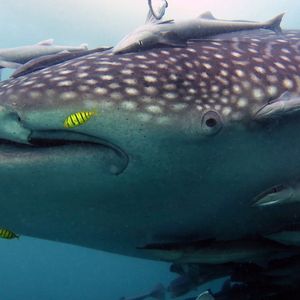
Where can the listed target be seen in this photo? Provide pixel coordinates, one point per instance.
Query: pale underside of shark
(175, 153)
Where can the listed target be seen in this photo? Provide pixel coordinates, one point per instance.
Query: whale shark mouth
(68, 143)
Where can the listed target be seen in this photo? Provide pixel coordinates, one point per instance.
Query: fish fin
(166, 22)
(48, 42)
(9, 64)
(286, 237)
(207, 15)
(84, 46)
(274, 24)
(178, 245)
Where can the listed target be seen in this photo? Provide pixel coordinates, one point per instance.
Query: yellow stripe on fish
(78, 118)
(7, 234)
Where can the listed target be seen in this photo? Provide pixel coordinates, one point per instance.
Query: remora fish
(170, 33)
(45, 61)
(278, 195)
(178, 129)
(15, 57)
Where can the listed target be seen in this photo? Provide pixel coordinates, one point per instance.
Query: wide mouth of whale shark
(111, 156)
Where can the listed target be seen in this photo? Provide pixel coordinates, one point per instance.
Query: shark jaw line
(55, 139)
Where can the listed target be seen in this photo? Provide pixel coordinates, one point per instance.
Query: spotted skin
(217, 74)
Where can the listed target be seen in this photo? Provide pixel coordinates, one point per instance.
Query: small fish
(177, 34)
(7, 234)
(78, 118)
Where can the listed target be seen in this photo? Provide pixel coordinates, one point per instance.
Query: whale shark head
(174, 151)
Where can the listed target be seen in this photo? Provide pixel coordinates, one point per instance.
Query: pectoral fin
(207, 15)
(286, 237)
(171, 39)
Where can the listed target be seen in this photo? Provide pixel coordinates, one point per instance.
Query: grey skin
(174, 153)
(170, 33)
(15, 57)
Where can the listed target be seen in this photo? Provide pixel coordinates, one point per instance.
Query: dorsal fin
(48, 42)
(166, 22)
(207, 15)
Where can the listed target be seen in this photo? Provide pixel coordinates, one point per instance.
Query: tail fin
(274, 24)
(158, 292)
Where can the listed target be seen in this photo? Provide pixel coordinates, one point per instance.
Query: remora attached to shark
(175, 153)
(170, 33)
(15, 57)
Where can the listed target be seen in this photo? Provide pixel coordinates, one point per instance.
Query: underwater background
(35, 269)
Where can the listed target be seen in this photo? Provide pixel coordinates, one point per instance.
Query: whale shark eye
(211, 123)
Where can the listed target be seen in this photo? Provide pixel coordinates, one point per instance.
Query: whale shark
(175, 153)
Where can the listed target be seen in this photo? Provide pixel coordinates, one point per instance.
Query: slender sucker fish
(170, 33)
(279, 194)
(15, 57)
(177, 154)
(45, 61)
(275, 108)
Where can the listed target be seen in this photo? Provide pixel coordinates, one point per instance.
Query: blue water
(32, 269)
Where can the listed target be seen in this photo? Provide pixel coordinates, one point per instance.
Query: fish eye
(211, 123)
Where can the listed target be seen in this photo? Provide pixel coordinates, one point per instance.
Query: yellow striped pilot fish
(78, 118)
(7, 234)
